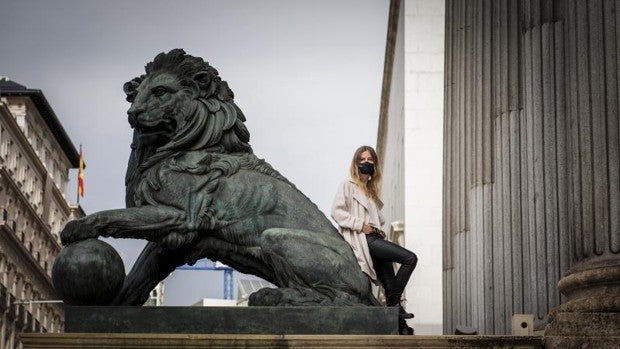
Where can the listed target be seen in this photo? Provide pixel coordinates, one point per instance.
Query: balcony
(21, 315)
(11, 311)
(29, 322)
(4, 298)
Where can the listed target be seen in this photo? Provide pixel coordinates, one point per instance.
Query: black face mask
(367, 168)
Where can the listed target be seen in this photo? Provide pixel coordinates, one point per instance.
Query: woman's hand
(367, 229)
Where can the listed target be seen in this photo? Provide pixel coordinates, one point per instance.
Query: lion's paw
(75, 231)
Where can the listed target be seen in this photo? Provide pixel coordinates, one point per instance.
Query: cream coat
(351, 209)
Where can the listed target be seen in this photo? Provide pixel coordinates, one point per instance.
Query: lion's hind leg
(311, 269)
(300, 296)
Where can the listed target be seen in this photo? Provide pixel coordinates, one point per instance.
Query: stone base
(590, 317)
(584, 324)
(583, 330)
(232, 320)
(553, 342)
(187, 341)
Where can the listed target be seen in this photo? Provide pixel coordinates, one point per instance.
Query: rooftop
(10, 88)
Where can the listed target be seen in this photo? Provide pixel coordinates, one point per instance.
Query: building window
(44, 156)
(16, 166)
(2, 141)
(8, 153)
(57, 176)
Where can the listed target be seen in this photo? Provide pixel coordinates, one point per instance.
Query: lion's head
(181, 104)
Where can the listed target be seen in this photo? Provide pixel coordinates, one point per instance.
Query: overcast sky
(307, 75)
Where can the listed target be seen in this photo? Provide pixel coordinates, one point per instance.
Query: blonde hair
(372, 188)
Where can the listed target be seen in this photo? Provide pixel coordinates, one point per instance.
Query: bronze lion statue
(194, 189)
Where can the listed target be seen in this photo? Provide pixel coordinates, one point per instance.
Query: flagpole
(78, 178)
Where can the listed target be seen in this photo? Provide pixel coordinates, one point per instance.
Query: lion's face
(159, 107)
(180, 104)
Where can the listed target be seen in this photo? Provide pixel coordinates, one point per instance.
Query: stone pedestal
(232, 320)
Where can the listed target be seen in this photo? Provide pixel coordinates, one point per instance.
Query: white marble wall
(423, 143)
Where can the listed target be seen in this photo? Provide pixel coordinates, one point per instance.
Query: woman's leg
(383, 254)
(385, 274)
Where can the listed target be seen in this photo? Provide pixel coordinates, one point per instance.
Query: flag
(81, 175)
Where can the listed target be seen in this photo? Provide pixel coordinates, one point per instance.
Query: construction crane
(206, 264)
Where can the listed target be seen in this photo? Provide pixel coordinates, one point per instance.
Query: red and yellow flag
(81, 174)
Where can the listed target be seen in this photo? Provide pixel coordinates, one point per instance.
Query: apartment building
(35, 157)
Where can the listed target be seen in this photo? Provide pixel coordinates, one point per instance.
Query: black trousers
(383, 254)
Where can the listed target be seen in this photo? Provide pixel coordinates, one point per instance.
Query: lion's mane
(216, 123)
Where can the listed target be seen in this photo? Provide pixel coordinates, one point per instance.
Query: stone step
(249, 327)
(145, 340)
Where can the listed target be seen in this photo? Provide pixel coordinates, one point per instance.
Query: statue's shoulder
(250, 162)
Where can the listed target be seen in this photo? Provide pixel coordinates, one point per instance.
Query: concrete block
(522, 324)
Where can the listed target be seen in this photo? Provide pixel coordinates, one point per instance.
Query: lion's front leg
(153, 223)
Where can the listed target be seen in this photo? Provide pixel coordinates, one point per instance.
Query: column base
(554, 342)
(584, 325)
(590, 318)
(583, 330)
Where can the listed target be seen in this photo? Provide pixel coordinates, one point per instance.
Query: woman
(357, 211)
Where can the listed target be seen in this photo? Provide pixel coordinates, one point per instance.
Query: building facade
(35, 157)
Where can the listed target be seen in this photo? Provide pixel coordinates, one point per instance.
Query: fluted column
(592, 284)
(532, 164)
(544, 184)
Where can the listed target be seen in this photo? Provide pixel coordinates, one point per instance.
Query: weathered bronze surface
(88, 272)
(195, 190)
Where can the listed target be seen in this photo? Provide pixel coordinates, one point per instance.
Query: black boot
(404, 329)
(403, 314)
(394, 300)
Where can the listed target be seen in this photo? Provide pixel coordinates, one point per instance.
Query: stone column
(532, 167)
(590, 313)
